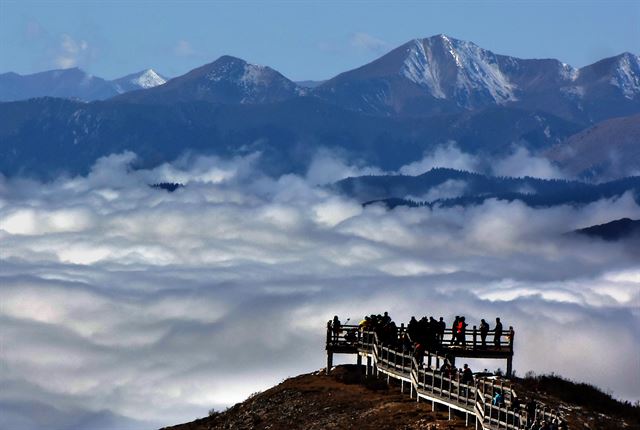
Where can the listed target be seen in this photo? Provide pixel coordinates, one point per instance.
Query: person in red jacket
(461, 331)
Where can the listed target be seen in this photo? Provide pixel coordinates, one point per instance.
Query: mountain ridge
(228, 79)
(443, 74)
(73, 83)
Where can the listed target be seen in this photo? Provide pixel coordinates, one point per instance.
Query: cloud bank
(72, 52)
(519, 163)
(125, 306)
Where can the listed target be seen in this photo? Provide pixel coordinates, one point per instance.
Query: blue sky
(302, 39)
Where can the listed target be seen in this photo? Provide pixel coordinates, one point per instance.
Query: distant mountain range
(73, 84)
(386, 113)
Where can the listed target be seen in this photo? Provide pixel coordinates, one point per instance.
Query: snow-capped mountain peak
(143, 80)
(148, 79)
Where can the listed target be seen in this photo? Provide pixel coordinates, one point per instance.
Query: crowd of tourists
(427, 332)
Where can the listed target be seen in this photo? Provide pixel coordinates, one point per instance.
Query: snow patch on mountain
(244, 74)
(479, 71)
(254, 75)
(254, 83)
(476, 70)
(418, 68)
(626, 75)
(568, 72)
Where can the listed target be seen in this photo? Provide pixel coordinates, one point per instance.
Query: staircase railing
(429, 382)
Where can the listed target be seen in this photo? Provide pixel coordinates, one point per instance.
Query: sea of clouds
(129, 307)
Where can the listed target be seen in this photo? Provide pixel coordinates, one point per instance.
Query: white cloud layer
(125, 306)
(519, 163)
(447, 155)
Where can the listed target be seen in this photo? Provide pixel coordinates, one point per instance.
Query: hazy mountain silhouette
(73, 84)
(448, 187)
(614, 230)
(609, 149)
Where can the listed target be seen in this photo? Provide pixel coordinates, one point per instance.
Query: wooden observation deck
(426, 382)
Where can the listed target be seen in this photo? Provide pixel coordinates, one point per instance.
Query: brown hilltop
(319, 401)
(346, 399)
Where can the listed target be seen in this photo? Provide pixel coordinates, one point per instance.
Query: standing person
(531, 411)
(454, 330)
(515, 402)
(462, 331)
(418, 353)
(467, 378)
(412, 329)
(498, 399)
(497, 333)
(335, 326)
(442, 326)
(515, 407)
(467, 375)
(432, 334)
(484, 331)
(386, 319)
(511, 334)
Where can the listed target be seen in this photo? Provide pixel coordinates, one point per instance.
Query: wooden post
(475, 334)
(329, 361)
(359, 361)
(433, 381)
(328, 333)
(328, 347)
(368, 371)
(509, 366)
